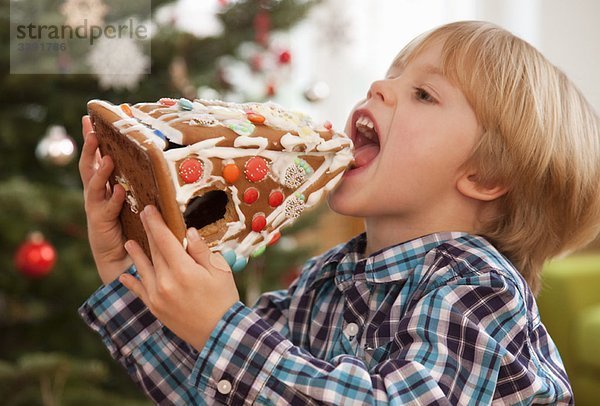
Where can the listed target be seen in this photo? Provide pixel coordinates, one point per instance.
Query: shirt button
(224, 387)
(351, 329)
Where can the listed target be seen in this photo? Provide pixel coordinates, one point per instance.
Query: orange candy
(255, 118)
(231, 173)
(127, 110)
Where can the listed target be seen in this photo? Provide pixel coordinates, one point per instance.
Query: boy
(484, 160)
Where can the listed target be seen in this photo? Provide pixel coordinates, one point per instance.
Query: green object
(569, 305)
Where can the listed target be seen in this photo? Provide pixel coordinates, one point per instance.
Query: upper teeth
(365, 126)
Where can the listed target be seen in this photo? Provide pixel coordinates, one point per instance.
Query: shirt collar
(347, 261)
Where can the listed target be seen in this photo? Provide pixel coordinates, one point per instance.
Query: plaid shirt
(442, 319)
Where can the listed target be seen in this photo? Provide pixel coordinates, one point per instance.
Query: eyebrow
(431, 69)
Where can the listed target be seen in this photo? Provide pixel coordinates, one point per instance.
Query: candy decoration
(255, 118)
(294, 176)
(127, 109)
(328, 125)
(259, 251)
(241, 127)
(230, 257)
(185, 104)
(256, 169)
(304, 165)
(275, 238)
(167, 101)
(259, 222)
(191, 170)
(231, 173)
(35, 258)
(294, 206)
(275, 198)
(236, 263)
(251, 195)
(203, 121)
(160, 134)
(239, 264)
(307, 133)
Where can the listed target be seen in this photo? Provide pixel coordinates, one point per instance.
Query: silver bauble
(317, 91)
(56, 147)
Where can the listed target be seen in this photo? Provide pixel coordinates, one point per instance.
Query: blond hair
(540, 140)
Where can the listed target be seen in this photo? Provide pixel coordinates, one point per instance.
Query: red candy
(328, 125)
(251, 195)
(275, 198)
(275, 238)
(167, 102)
(191, 170)
(255, 118)
(259, 222)
(256, 169)
(127, 110)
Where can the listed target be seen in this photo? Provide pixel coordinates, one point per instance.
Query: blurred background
(317, 56)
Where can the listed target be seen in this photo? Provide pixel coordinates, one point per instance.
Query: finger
(157, 256)
(200, 252)
(115, 203)
(168, 245)
(86, 126)
(136, 286)
(87, 159)
(142, 263)
(97, 183)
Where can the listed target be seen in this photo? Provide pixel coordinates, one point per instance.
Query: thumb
(199, 251)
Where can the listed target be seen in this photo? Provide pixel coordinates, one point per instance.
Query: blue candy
(230, 257)
(185, 104)
(240, 264)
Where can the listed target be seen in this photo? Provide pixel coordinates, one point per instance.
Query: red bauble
(285, 57)
(35, 258)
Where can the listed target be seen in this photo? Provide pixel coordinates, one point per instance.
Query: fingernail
(192, 234)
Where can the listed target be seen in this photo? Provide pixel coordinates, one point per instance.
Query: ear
(468, 184)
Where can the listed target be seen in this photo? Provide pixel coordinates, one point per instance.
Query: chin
(343, 205)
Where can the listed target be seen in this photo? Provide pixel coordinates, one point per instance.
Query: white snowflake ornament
(119, 63)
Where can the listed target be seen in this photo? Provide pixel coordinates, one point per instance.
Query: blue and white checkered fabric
(443, 319)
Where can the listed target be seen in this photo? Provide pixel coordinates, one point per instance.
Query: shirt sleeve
(449, 349)
(156, 359)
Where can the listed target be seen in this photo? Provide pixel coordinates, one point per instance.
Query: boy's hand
(102, 207)
(189, 291)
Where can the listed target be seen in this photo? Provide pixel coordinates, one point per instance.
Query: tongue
(365, 154)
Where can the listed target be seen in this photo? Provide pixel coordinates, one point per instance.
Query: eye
(424, 96)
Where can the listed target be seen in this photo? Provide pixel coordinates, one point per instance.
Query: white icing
(244, 141)
(289, 142)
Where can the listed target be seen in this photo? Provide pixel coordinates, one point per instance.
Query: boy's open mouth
(366, 140)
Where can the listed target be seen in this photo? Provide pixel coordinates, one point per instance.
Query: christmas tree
(47, 355)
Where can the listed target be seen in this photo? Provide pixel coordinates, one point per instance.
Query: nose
(381, 90)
